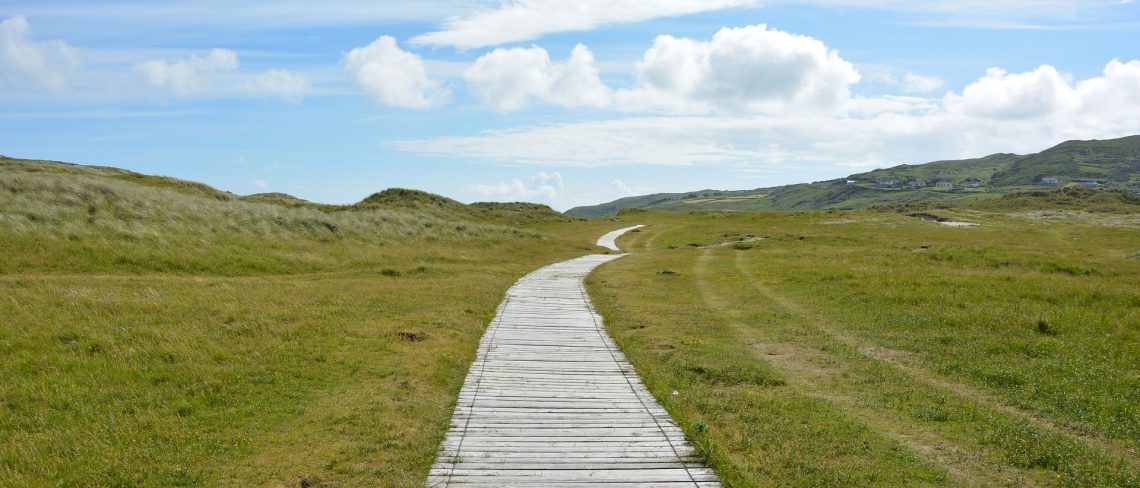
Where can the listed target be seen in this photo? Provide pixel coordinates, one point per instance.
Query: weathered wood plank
(550, 400)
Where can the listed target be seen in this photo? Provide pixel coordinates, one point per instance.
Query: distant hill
(514, 213)
(403, 197)
(283, 199)
(1110, 164)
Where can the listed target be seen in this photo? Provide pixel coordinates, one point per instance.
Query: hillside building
(945, 185)
(1050, 180)
(970, 184)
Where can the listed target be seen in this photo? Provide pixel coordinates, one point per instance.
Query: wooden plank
(551, 400)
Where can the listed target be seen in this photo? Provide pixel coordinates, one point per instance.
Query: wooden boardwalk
(551, 401)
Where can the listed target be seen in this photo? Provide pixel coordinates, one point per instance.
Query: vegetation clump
(1044, 328)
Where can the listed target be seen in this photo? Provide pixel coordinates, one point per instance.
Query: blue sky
(564, 103)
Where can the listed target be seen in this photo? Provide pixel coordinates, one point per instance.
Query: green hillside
(1115, 162)
(1112, 164)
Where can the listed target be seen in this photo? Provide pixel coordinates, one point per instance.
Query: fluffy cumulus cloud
(29, 64)
(523, 20)
(393, 76)
(1047, 96)
(189, 77)
(1022, 95)
(1000, 112)
(750, 68)
(506, 79)
(543, 186)
(1107, 103)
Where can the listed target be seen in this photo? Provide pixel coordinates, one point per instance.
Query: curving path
(551, 401)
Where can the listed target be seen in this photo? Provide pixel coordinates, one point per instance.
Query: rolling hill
(1112, 164)
(104, 182)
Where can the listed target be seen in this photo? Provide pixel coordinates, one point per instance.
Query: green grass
(161, 334)
(879, 349)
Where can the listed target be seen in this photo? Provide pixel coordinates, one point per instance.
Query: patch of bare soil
(942, 220)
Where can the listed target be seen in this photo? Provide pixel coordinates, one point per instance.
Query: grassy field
(877, 349)
(161, 333)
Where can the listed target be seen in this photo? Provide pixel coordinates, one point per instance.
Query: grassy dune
(162, 333)
(861, 349)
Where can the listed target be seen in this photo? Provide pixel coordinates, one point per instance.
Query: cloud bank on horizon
(747, 97)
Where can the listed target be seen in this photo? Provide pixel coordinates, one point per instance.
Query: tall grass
(70, 222)
(88, 204)
(162, 333)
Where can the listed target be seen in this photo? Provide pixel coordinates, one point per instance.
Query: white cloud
(910, 83)
(280, 83)
(543, 186)
(1022, 95)
(740, 69)
(217, 74)
(191, 77)
(506, 79)
(524, 20)
(922, 84)
(394, 77)
(260, 184)
(748, 69)
(29, 64)
(548, 187)
(620, 188)
(991, 115)
(648, 141)
(1107, 103)
(477, 23)
(553, 181)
